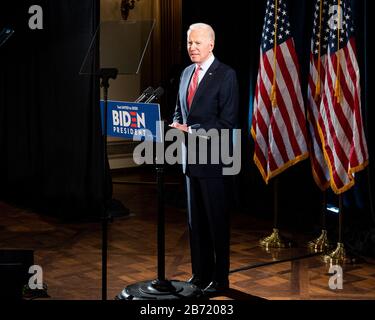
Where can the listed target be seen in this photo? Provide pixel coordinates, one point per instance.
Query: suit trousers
(209, 226)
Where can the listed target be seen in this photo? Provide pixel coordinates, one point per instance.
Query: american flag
(339, 118)
(318, 63)
(279, 122)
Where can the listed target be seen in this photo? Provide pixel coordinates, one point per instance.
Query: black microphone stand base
(160, 290)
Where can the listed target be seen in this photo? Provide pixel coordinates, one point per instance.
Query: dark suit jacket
(215, 106)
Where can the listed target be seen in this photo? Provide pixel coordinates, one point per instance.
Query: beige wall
(128, 87)
(110, 10)
(163, 51)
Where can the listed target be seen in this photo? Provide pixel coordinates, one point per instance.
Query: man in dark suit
(207, 99)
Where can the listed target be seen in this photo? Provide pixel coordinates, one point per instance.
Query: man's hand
(179, 126)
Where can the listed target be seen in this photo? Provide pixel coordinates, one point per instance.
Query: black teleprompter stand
(117, 48)
(105, 74)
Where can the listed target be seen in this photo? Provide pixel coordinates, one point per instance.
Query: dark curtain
(50, 141)
(239, 26)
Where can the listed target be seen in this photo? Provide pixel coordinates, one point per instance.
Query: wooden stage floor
(70, 253)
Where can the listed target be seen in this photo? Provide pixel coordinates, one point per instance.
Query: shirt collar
(205, 65)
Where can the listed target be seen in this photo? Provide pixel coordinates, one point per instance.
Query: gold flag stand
(336, 257)
(321, 244)
(275, 240)
(339, 255)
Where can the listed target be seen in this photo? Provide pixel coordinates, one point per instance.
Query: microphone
(145, 94)
(155, 95)
(5, 34)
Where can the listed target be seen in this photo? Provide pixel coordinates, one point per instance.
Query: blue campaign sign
(131, 120)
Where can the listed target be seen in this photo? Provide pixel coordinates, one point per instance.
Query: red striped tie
(193, 86)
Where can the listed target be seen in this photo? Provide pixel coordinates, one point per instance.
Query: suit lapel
(204, 82)
(185, 81)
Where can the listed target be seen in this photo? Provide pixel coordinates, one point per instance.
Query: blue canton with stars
(283, 25)
(328, 37)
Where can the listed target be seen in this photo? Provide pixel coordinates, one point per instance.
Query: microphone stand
(158, 92)
(145, 94)
(160, 288)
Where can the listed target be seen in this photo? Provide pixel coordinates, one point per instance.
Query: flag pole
(275, 240)
(273, 89)
(321, 244)
(338, 256)
(318, 88)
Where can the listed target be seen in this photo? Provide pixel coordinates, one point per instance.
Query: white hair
(205, 26)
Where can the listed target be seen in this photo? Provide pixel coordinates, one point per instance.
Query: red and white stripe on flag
(318, 62)
(319, 165)
(279, 122)
(340, 121)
